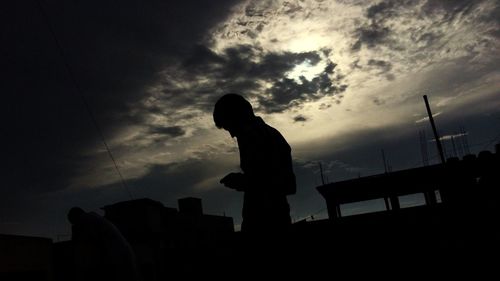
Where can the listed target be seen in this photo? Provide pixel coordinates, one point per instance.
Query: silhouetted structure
(388, 186)
(460, 210)
(190, 206)
(434, 130)
(165, 241)
(25, 258)
(146, 219)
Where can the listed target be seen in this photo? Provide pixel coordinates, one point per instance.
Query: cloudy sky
(340, 79)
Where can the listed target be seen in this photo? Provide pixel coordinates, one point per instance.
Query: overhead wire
(80, 93)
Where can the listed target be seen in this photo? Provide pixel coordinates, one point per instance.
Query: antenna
(445, 150)
(454, 147)
(423, 147)
(460, 147)
(465, 141)
(436, 135)
(321, 171)
(385, 162)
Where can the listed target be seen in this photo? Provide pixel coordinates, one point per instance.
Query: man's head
(231, 111)
(75, 214)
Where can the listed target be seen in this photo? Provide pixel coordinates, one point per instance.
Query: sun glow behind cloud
(307, 70)
(396, 42)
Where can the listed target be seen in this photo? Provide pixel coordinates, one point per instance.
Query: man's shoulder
(259, 130)
(262, 126)
(263, 134)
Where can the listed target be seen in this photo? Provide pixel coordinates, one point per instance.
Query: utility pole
(321, 171)
(434, 130)
(385, 162)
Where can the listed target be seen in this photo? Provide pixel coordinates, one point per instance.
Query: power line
(80, 93)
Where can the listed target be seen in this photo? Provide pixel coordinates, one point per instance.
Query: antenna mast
(434, 130)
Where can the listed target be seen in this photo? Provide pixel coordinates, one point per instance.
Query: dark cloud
(380, 11)
(288, 93)
(370, 36)
(390, 76)
(291, 8)
(324, 106)
(428, 39)
(244, 69)
(256, 9)
(449, 8)
(174, 131)
(326, 51)
(449, 12)
(387, 9)
(202, 60)
(378, 29)
(383, 66)
(330, 67)
(355, 65)
(300, 118)
(378, 101)
(115, 51)
(493, 17)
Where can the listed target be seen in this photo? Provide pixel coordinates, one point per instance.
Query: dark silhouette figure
(267, 179)
(266, 162)
(100, 250)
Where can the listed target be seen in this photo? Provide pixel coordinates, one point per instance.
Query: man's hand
(234, 181)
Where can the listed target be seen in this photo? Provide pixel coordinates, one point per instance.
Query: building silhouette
(166, 241)
(453, 184)
(456, 220)
(26, 258)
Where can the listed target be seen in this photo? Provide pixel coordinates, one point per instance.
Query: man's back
(265, 158)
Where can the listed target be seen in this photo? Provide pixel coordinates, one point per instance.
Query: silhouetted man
(101, 251)
(266, 162)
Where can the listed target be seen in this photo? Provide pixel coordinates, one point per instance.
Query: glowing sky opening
(307, 70)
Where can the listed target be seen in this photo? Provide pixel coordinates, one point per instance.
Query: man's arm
(237, 181)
